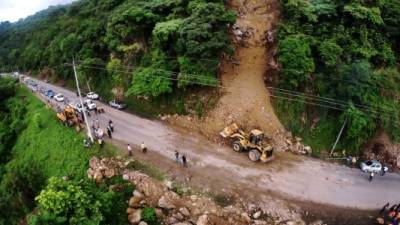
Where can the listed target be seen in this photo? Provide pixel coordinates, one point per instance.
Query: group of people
(98, 133)
(143, 147)
(389, 216)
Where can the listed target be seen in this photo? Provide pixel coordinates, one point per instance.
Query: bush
(149, 216)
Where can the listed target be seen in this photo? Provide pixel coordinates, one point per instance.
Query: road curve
(297, 177)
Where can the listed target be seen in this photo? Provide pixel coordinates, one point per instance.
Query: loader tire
(254, 155)
(237, 147)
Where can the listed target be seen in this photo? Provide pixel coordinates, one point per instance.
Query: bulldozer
(251, 142)
(68, 116)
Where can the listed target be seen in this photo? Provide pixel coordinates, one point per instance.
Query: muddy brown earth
(244, 97)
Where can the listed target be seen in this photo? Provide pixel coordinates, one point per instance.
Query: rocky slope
(174, 209)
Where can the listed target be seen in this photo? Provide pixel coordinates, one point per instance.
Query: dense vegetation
(348, 52)
(141, 48)
(36, 153)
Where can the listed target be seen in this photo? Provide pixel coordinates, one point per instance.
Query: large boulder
(166, 203)
(203, 220)
(184, 211)
(135, 216)
(94, 162)
(134, 202)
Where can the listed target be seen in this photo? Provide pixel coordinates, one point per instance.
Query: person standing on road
(176, 156)
(129, 148)
(109, 131)
(110, 123)
(184, 160)
(384, 208)
(384, 169)
(371, 176)
(143, 147)
(101, 142)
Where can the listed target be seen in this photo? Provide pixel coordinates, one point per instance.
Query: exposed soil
(381, 147)
(245, 100)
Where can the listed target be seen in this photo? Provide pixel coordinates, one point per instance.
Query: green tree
(67, 201)
(360, 127)
(113, 69)
(150, 81)
(297, 62)
(330, 52)
(204, 34)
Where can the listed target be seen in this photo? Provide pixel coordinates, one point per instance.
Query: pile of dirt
(245, 99)
(176, 209)
(383, 149)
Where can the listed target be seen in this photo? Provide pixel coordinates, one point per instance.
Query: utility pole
(338, 137)
(80, 99)
(87, 83)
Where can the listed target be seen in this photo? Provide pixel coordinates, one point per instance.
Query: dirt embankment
(381, 147)
(245, 99)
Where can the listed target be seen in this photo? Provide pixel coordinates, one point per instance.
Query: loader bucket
(229, 130)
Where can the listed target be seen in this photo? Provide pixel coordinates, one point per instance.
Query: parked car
(89, 104)
(59, 97)
(92, 95)
(372, 166)
(50, 93)
(117, 104)
(78, 107)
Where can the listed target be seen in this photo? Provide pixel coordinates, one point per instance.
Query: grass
(55, 149)
(147, 169)
(321, 138)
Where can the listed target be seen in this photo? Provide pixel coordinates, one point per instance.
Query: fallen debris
(172, 208)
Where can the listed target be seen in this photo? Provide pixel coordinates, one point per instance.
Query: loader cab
(256, 137)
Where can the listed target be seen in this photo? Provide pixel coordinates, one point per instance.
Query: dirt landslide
(245, 99)
(382, 148)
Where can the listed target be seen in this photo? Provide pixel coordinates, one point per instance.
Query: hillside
(339, 65)
(337, 62)
(139, 48)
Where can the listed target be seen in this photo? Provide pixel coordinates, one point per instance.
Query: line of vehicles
(88, 102)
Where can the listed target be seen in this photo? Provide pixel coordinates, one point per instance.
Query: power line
(196, 76)
(328, 100)
(326, 106)
(340, 107)
(163, 77)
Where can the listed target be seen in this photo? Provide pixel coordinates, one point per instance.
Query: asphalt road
(297, 177)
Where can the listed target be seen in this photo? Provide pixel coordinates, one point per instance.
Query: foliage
(360, 127)
(149, 216)
(295, 54)
(344, 50)
(150, 82)
(36, 153)
(67, 201)
(113, 68)
(82, 202)
(330, 52)
(109, 34)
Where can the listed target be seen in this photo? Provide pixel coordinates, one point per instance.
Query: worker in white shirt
(143, 147)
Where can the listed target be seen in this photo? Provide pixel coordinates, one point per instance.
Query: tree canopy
(346, 50)
(96, 33)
